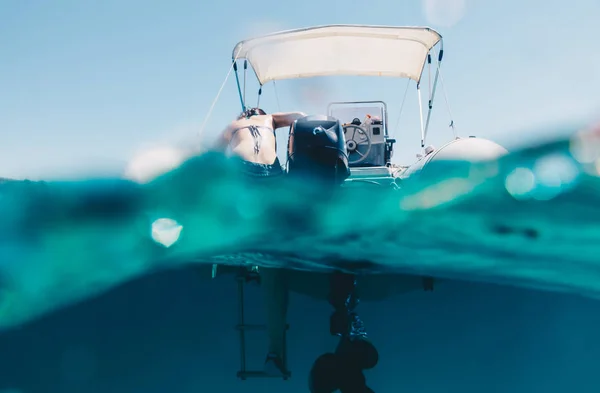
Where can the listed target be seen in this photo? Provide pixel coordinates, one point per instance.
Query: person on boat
(251, 139)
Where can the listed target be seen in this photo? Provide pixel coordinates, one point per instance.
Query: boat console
(351, 144)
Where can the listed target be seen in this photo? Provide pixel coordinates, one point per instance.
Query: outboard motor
(317, 149)
(317, 152)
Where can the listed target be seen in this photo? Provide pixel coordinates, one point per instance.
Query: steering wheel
(353, 145)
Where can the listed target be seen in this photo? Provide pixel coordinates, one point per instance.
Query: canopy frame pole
(433, 90)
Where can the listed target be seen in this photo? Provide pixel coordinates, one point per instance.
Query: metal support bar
(244, 276)
(421, 114)
(430, 104)
(237, 81)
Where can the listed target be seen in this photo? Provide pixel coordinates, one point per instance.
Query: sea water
(529, 219)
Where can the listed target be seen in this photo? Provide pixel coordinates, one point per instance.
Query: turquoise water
(530, 219)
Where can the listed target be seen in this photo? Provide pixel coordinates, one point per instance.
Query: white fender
(461, 149)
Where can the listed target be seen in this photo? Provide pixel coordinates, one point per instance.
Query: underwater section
(530, 219)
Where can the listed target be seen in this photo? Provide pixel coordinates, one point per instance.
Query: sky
(94, 87)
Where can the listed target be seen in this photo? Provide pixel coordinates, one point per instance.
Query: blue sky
(87, 85)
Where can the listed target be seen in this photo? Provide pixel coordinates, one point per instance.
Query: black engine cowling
(317, 148)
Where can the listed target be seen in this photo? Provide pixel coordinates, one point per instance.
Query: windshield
(346, 113)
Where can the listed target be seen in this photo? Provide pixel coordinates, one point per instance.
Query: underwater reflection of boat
(351, 144)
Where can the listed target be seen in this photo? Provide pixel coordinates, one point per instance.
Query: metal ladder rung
(261, 374)
(250, 327)
(256, 327)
